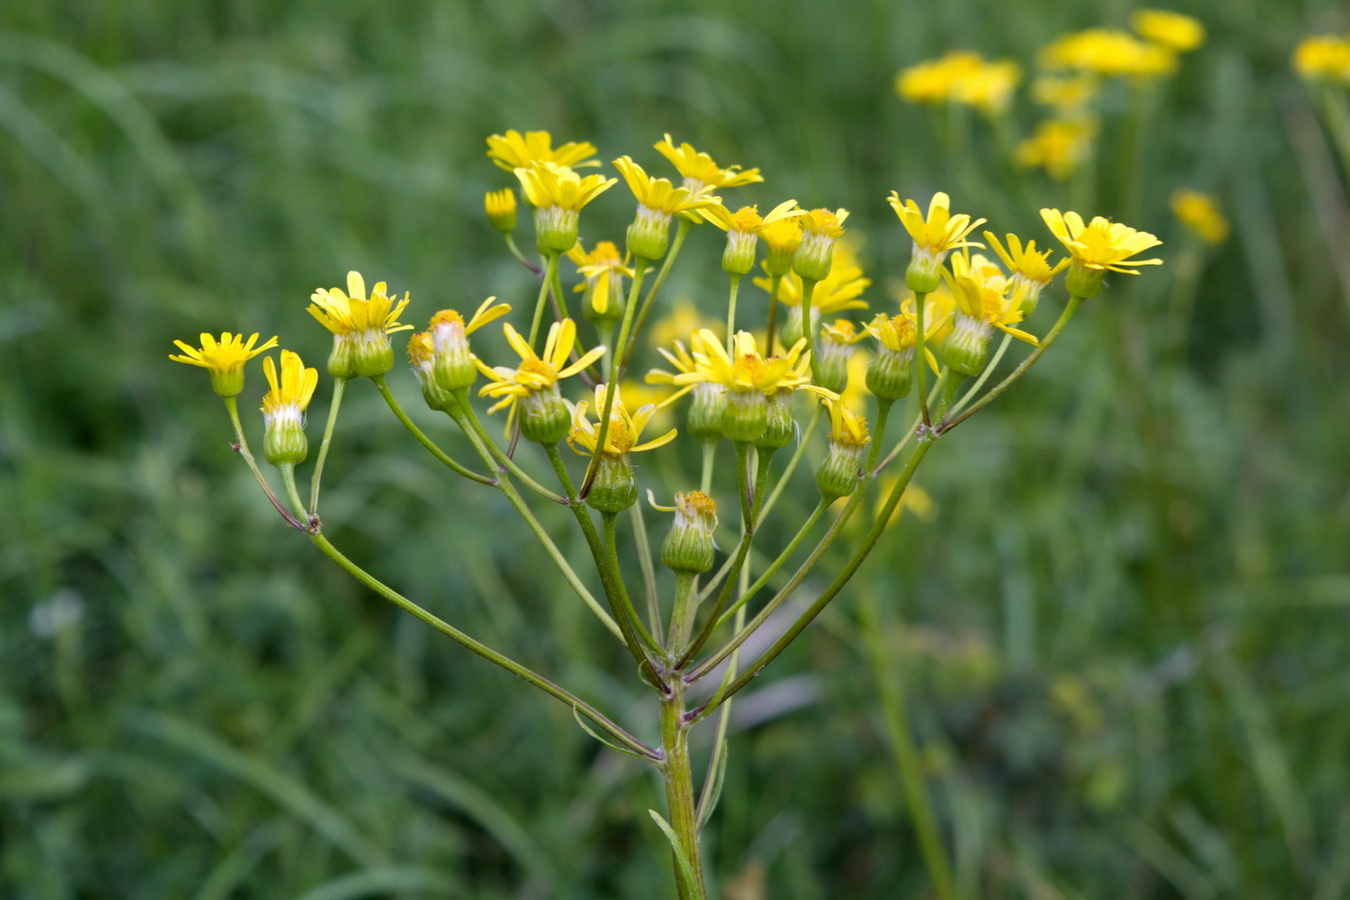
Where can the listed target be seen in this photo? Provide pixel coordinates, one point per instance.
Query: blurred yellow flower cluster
(1324, 57)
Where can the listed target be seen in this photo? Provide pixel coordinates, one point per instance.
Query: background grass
(1122, 640)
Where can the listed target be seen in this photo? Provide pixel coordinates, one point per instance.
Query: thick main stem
(679, 782)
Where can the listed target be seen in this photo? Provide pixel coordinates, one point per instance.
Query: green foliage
(1121, 641)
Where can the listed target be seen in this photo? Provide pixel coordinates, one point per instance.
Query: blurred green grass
(1123, 638)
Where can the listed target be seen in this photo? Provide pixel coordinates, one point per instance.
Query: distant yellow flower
(700, 171)
(624, 430)
(1068, 94)
(1170, 29)
(960, 77)
(1200, 213)
(1058, 146)
(683, 320)
(558, 194)
(1100, 244)
(533, 385)
(283, 407)
(360, 325)
(1324, 56)
(934, 235)
(224, 359)
(513, 151)
(1109, 53)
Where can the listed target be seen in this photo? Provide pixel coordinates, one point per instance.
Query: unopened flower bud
(500, 207)
(452, 362)
(614, 488)
(890, 373)
(689, 545)
(835, 348)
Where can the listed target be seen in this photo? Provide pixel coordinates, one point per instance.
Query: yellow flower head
(700, 171)
(360, 325)
(290, 394)
(659, 195)
(1323, 57)
(820, 229)
(747, 219)
(624, 429)
(1200, 213)
(452, 365)
(1058, 146)
(846, 426)
(1100, 244)
(939, 231)
(536, 374)
(224, 359)
(500, 207)
(982, 293)
(604, 270)
(781, 239)
(744, 369)
(1025, 260)
(1169, 29)
(557, 193)
(513, 151)
(1068, 94)
(1109, 53)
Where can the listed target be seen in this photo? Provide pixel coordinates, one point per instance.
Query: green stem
(984, 376)
(890, 691)
(949, 390)
(515, 251)
(777, 564)
(416, 432)
(615, 368)
(599, 719)
(681, 617)
(469, 422)
(610, 576)
(648, 569)
(612, 560)
(1069, 309)
(731, 312)
(774, 282)
(679, 784)
(796, 458)
(550, 271)
(513, 497)
(241, 447)
(709, 451)
(921, 358)
(830, 592)
(681, 232)
(339, 386)
(808, 330)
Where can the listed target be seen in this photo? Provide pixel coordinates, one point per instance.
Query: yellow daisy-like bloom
(513, 151)
(1109, 53)
(1030, 268)
(699, 170)
(934, 235)
(557, 195)
(744, 369)
(838, 476)
(781, 239)
(846, 426)
(533, 385)
(453, 365)
(283, 408)
(1058, 146)
(604, 270)
(983, 293)
(1170, 29)
(1325, 56)
(709, 401)
(360, 325)
(743, 228)
(224, 359)
(1100, 244)
(1200, 213)
(658, 200)
(624, 430)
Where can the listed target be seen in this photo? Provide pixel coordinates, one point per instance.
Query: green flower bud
(707, 406)
(746, 415)
(967, 347)
(649, 235)
(891, 373)
(780, 428)
(689, 545)
(556, 229)
(544, 416)
(614, 488)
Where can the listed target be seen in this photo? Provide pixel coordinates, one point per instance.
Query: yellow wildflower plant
(532, 387)
(1058, 146)
(514, 150)
(453, 366)
(223, 359)
(821, 228)
(834, 352)
(1200, 213)
(699, 170)
(603, 270)
(361, 326)
(283, 408)
(934, 236)
(625, 429)
(709, 400)
(557, 194)
(743, 229)
(1030, 269)
(1172, 30)
(1097, 247)
(1109, 53)
(1323, 57)
(658, 201)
